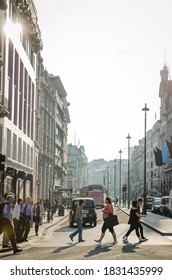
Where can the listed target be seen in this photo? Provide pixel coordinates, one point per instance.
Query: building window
(24, 152)
(28, 155)
(14, 146)
(1, 139)
(8, 148)
(19, 150)
(31, 159)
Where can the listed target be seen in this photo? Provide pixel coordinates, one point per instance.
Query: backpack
(2, 208)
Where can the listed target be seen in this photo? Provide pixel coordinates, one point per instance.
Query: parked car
(164, 206)
(89, 211)
(149, 201)
(156, 205)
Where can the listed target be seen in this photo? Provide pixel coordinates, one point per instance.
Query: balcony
(3, 106)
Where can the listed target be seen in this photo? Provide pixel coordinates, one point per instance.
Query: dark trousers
(105, 227)
(132, 227)
(17, 228)
(141, 230)
(6, 225)
(25, 227)
(37, 222)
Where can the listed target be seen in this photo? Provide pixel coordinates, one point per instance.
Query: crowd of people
(17, 219)
(134, 221)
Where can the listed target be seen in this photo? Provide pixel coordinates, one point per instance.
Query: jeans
(78, 230)
(37, 221)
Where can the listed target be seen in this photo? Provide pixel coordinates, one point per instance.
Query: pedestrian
(106, 212)
(134, 222)
(116, 202)
(27, 218)
(78, 220)
(17, 219)
(5, 240)
(139, 205)
(6, 223)
(38, 211)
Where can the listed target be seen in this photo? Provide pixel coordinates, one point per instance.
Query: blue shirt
(27, 210)
(7, 211)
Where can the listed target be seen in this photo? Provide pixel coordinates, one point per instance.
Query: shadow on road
(64, 248)
(5, 251)
(130, 248)
(98, 250)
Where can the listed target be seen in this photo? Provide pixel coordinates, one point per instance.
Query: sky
(108, 54)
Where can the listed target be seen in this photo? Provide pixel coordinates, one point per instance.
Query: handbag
(112, 220)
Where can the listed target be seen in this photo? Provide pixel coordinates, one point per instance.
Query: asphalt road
(55, 244)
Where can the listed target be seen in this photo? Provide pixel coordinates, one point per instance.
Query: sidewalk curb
(49, 225)
(163, 233)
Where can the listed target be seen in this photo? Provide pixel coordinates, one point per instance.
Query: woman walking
(106, 212)
(38, 212)
(134, 222)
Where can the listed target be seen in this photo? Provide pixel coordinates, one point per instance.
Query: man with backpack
(6, 222)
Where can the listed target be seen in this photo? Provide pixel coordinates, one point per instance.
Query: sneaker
(125, 239)
(71, 237)
(6, 246)
(142, 239)
(98, 241)
(17, 250)
(114, 242)
(81, 240)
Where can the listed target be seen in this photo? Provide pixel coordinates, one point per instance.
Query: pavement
(45, 225)
(161, 224)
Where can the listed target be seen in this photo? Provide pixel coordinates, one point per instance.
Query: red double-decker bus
(97, 192)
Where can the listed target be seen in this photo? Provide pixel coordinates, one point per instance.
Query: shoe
(98, 241)
(37, 233)
(82, 240)
(125, 239)
(6, 246)
(142, 239)
(71, 237)
(114, 242)
(17, 250)
(25, 240)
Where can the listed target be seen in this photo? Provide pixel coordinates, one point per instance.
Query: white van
(170, 203)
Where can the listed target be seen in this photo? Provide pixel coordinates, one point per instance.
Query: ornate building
(21, 43)
(33, 108)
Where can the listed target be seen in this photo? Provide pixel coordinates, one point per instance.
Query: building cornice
(28, 14)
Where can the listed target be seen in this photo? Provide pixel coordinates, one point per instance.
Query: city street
(55, 243)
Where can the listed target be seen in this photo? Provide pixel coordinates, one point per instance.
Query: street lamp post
(145, 109)
(120, 152)
(114, 189)
(108, 180)
(128, 137)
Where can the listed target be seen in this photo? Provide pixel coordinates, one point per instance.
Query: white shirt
(17, 211)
